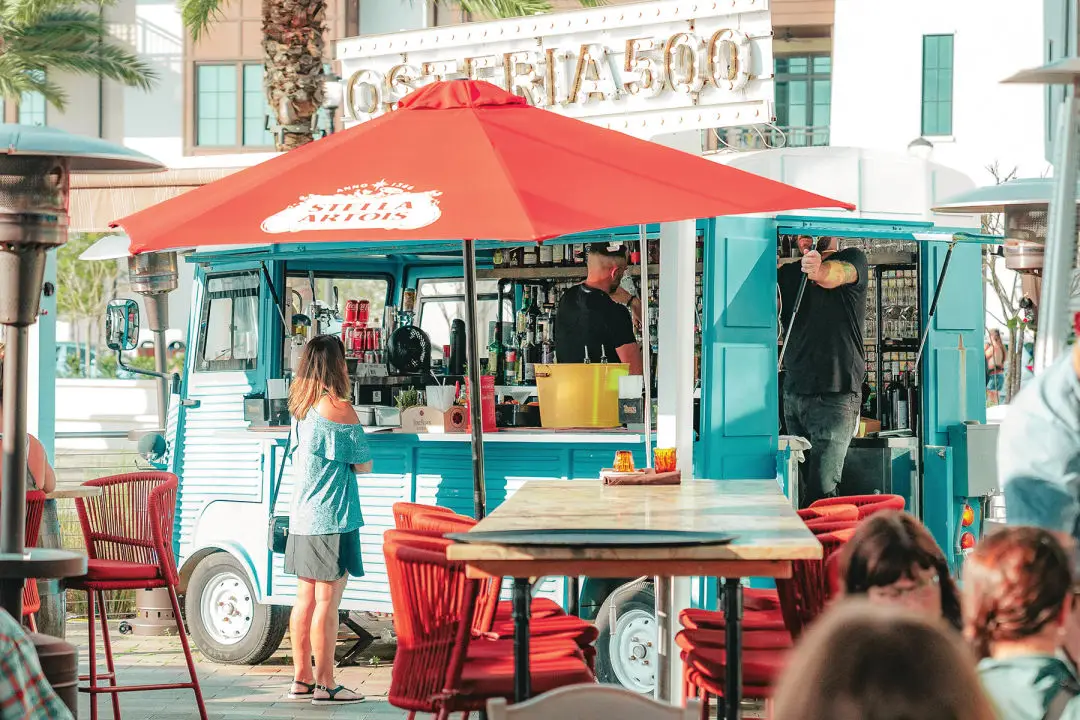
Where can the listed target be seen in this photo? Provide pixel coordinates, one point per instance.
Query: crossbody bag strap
(1068, 690)
(275, 487)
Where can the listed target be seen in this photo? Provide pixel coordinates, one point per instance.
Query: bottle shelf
(558, 272)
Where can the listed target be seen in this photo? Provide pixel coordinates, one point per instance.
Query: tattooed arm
(830, 273)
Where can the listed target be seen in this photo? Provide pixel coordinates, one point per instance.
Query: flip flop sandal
(333, 698)
(303, 695)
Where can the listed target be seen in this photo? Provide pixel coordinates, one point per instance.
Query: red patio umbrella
(464, 160)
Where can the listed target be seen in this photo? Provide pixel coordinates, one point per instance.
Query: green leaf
(504, 8)
(198, 15)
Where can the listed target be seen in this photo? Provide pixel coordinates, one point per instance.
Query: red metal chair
(867, 504)
(487, 622)
(840, 512)
(436, 668)
(128, 534)
(35, 510)
(405, 514)
(802, 599)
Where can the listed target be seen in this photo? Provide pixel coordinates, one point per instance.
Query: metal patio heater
(35, 167)
(1041, 218)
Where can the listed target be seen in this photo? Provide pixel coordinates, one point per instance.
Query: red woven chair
(404, 512)
(841, 512)
(867, 504)
(802, 598)
(128, 533)
(35, 510)
(405, 518)
(436, 668)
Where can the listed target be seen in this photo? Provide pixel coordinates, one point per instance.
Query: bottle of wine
(888, 417)
(546, 256)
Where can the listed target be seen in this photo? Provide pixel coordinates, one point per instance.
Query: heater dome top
(88, 154)
(995, 198)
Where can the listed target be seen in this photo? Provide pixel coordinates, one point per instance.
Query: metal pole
(157, 308)
(472, 352)
(646, 345)
(1060, 241)
(933, 306)
(13, 467)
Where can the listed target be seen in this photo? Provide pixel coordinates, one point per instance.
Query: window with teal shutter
(215, 106)
(803, 93)
(256, 109)
(32, 105)
(937, 85)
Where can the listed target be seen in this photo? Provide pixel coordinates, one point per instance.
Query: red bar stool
(867, 504)
(35, 510)
(128, 533)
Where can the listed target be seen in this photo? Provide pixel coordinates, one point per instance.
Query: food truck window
(375, 290)
(442, 301)
(229, 324)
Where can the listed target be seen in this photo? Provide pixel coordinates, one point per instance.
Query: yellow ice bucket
(579, 395)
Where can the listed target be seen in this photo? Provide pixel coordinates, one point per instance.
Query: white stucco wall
(877, 80)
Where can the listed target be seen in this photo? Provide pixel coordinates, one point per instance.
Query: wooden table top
(81, 491)
(767, 530)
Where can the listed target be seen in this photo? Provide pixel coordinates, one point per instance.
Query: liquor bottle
(546, 256)
(547, 345)
(887, 409)
(866, 392)
(528, 257)
(522, 317)
(532, 312)
(495, 354)
(497, 257)
(566, 255)
(911, 386)
(510, 365)
(579, 253)
(897, 396)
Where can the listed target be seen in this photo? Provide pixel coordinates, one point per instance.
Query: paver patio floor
(231, 692)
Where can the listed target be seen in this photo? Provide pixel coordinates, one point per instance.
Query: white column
(675, 389)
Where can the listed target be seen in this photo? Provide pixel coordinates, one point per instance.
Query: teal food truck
(227, 427)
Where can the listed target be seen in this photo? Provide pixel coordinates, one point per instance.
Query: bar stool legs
(108, 653)
(187, 652)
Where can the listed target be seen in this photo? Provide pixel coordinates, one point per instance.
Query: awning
(97, 200)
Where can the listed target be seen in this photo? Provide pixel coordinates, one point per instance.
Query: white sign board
(646, 69)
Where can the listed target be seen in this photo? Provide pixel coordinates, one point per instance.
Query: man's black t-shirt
(590, 318)
(826, 352)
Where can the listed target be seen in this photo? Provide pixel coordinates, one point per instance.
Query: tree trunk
(1015, 362)
(293, 53)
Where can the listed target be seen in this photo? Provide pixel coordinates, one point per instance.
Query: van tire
(628, 613)
(218, 581)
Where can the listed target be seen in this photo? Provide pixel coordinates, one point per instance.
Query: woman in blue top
(1017, 596)
(323, 547)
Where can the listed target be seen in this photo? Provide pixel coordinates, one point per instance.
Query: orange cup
(624, 461)
(664, 460)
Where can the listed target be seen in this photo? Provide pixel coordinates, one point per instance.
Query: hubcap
(632, 650)
(227, 608)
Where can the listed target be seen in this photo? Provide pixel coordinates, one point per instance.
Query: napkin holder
(646, 476)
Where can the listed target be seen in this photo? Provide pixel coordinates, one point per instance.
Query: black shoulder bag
(1068, 690)
(278, 532)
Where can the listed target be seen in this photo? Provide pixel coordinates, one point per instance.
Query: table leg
(522, 598)
(662, 588)
(733, 611)
(573, 592)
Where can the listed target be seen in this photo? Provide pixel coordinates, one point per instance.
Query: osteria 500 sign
(642, 68)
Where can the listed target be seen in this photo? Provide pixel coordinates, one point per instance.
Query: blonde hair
(862, 661)
(322, 371)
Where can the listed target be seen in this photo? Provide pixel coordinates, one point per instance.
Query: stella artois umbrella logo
(371, 206)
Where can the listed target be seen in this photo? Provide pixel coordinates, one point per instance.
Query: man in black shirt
(594, 317)
(824, 365)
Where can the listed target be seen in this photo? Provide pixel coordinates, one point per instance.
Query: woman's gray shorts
(324, 557)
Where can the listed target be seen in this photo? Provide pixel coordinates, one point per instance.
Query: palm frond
(504, 8)
(18, 78)
(74, 41)
(199, 14)
(592, 3)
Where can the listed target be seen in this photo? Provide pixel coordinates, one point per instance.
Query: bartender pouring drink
(824, 363)
(594, 320)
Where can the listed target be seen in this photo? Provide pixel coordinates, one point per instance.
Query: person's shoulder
(339, 411)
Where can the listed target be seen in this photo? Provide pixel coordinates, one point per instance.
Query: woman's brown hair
(1016, 581)
(870, 662)
(887, 546)
(322, 371)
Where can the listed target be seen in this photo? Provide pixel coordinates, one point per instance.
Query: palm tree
(293, 51)
(39, 36)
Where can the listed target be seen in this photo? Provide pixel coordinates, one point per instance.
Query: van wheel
(226, 623)
(626, 650)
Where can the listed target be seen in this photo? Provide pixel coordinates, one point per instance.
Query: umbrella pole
(646, 343)
(472, 353)
(13, 498)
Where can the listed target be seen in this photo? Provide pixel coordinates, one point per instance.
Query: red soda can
(352, 308)
(362, 309)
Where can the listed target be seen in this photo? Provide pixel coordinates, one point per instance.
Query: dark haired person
(323, 548)
(892, 559)
(1017, 599)
(594, 319)
(824, 364)
(863, 661)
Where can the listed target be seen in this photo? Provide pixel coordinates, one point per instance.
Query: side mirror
(122, 325)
